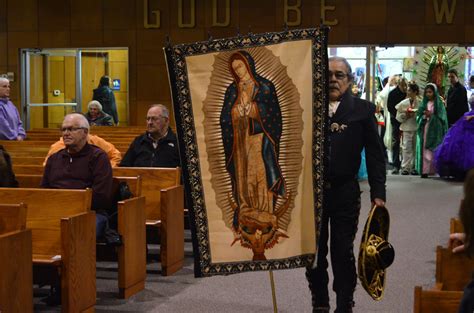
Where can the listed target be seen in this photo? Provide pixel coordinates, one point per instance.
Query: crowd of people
(426, 133)
(422, 135)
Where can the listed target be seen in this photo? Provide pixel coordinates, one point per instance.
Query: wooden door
(94, 66)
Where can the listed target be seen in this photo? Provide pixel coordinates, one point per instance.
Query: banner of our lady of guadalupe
(250, 116)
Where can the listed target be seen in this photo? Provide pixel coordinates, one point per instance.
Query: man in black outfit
(352, 128)
(456, 101)
(158, 147)
(395, 97)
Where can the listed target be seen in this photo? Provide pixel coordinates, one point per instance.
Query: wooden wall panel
(341, 31)
(54, 15)
(120, 23)
(3, 50)
(24, 15)
(149, 46)
(90, 38)
(120, 38)
(433, 32)
(411, 13)
(86, 15)
(3, 16)
(119, 14)
(54, 39)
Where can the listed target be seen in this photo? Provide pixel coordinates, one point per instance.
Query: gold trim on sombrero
(368, 248)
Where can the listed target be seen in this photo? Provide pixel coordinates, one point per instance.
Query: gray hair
(94, 103)
(83, 122)
(346, 63)
(164, 109)
(4, 79)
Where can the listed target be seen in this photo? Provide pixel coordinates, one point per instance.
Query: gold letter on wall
(296, 8)
(325, 8)
(145, 16)
(192, 21)
(214, 14)
(446, 11)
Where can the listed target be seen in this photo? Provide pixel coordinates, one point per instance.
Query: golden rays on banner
(250, 116)
(253, 128)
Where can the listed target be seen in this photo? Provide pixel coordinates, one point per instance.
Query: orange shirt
(114, 155)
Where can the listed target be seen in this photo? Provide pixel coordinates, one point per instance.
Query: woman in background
(432, 125)
(96, 116)
(106, 97)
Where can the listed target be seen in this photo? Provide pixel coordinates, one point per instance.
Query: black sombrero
(376, 253)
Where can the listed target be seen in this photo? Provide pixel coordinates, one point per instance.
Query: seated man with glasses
(81, 165)
(158, 147)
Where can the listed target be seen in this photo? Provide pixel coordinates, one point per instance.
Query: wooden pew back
(453, 271)
(12, 217)
(433, 301)
(153, 181)
(34, 181)
(455, 226)
(16, 274)
(46, 208)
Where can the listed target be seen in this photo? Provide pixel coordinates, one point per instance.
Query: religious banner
(250, 117)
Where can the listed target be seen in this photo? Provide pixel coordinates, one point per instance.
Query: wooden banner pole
(272, 283)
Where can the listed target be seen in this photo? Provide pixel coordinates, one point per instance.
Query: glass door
(50, 86)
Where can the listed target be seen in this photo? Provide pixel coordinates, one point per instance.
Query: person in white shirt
(406, 115)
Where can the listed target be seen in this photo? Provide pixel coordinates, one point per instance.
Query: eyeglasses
(154, 118)
(338, 75)
(71, 129)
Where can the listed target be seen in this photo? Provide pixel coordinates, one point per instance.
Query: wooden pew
(435, 301)
(28, 169)
(164, 209)
(455, 226)
(131, 226)
(453, 270)
(16, 278)
(63, 235)
(12, 217)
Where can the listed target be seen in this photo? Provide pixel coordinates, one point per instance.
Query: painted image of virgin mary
(251, 125)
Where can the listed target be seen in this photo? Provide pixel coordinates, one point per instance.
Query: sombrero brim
(371, 275)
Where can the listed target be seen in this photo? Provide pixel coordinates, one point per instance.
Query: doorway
(56, 82)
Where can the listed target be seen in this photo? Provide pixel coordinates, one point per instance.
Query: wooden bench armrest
(429, 301)
(132, 253)
(172, 229)
(78, 252)
(16, 278)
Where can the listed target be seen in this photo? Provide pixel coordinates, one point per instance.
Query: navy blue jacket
(141, 152)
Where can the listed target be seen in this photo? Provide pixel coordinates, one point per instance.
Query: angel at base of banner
(251, 125)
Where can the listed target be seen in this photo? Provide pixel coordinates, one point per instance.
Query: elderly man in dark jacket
(352, 128)
(158, 147)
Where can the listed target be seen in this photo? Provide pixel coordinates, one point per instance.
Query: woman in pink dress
(432, 125)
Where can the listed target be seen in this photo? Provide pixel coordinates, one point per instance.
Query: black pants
(341, 212)
(395, 142)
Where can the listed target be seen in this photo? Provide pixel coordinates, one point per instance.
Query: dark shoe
(396, 171)
(405, 172)
(414, 172)
(424, 175)
(347, 308)
(321, 309)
